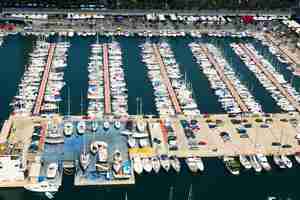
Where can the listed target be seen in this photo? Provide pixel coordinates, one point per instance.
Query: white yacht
(84, 160)
(147, 164)
(81, 127)
(137, 165)
(165, 162)
(263, 161)
(155, 164)
(117, 124)
(68, 128)
(288, 163)
(255, 164)
(106, 125)
(44, 186)
(52, 170)
(199, 163)
(278, 161)
(245, 161)
(297, 157)
(175, 163)
(192, 164)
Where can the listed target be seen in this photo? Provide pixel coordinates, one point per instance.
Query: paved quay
(107, 97)
(262, 133)
(166, 80)
(40, 97)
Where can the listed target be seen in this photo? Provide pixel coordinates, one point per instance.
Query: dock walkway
(225, 79)
(40, 98)
(270, 76)
(107, 100)
(292, 58)
(166, 80)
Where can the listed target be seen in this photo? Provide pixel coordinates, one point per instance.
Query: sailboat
(171, 193)
(81, 125)
(175, 163)
(94, 126)
(84, 158)
(68, 125)
(190, 195)
(155, 164)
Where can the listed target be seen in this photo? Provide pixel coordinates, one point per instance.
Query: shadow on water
(14, 56)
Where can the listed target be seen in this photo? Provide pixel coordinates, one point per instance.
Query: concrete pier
(40, 98)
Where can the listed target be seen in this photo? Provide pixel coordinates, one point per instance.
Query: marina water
(215, 183)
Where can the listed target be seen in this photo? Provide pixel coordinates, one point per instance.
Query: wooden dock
(225, 79)
(270, 76)
(107, 100)
(167, 81)
(40, 98)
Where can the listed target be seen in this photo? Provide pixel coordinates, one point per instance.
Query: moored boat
(137, 165)
(165, 162)
(287, 162)
(245, 161)
(297, 157)
(255, 164)
(68, 128)
(278, 161)
(106, 125)
(84, 160)
(52, 170)
(155, 164)
(175, 163)
(231, 165)
(263, 161)
(147, 164)
(81, 127)
(192, 164)
(199, 163)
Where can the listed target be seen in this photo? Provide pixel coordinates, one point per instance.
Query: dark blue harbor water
(280, 67)
(214, 184)
(13, 56)
(140, 91)
(200, 84)
(247, 77)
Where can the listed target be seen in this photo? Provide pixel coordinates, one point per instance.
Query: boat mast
(141, 106)
(69, 102)
(137, 105)
(279, 147)
(171, 192)
(81, 104)
(190, 196)
(126, 197)
(97, 37)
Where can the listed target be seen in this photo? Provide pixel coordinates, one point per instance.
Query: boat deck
(225, 79)
(166, 80)
(40, 98)
(270, 76)
(107, 97)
